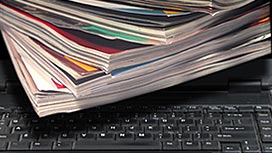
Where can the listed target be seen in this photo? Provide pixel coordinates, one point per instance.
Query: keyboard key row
(138, 145)
(182, 123)
(222, 137)
(8, 113)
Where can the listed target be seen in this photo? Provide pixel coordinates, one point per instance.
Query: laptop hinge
(245, 86)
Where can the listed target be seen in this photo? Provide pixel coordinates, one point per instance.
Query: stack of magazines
(75, 54)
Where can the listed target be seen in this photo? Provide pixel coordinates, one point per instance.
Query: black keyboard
(246, 129)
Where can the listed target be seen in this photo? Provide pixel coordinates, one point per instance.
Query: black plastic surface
(257, 70)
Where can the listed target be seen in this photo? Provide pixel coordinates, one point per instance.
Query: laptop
(229, 111)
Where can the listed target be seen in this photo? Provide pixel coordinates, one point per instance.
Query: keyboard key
(194, 109)
(16, 122)
(117, 145)
(183, 136)
(105, 136)
(230, 109)
(248, 109)
(134, 129)
(237, 115)
(96, 128)
(251, 149)
(244, 122)
(213, 116)
(58, 129)
(28, 137)
(267, 148)
(149, 122)
(249, 142)
(172, 129)
(265, 122)
(223, 122)
(34, 121)
(125, 137)
(262, 109)
(4, 123)
(3, 145)
(158, 116)
(3, 129)
(234, 129)
(205, 122)
(195, 115)
(111, 120)
(8, 137)
(191, 145)
(214, 109)
(144, 136)
(191, 129)
(153, 129)
(167, 122)
(139, 115)
(202, 136)
(63, 145)
(163, 136)
(228, 137)
(179, 109)
(171, 145)
(85, 136)
(210, 129)
(9, 115)
(263, 115)
(231, 148)
(129, 121)
(186, 122)
(211, 145)
(48, 137)
(41, 145)
(266, 129)
(266, 137)
(38, 128)
(67, 137)
(78, 128)
(18, 146)
(18, 130)
(174, 115)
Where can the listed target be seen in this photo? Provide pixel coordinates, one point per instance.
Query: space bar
(114, 145)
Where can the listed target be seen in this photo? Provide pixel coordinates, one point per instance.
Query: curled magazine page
(76, 54)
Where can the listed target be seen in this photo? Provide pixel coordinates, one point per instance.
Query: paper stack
(75, 54)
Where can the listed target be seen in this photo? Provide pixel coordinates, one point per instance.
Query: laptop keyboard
(244, 129)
